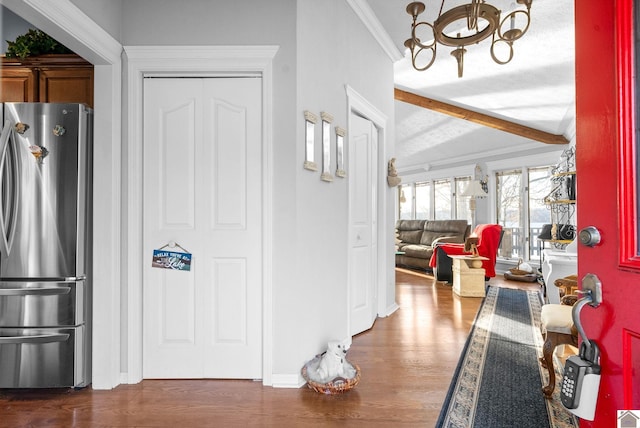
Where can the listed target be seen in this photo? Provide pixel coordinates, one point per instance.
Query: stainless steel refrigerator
(45, 245)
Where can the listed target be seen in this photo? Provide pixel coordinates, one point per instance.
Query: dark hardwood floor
(407, 362)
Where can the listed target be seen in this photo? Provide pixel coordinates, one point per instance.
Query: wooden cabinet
(47, 79)
(66, 85)
(18, 84)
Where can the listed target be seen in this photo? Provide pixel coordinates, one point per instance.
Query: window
(509, 211)
(423, 200)
(429, 200)
(462, 204)
(539, 213)
(406, 202)
(521, 211)
(442, 200)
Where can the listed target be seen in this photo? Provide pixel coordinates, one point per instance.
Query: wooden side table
(468, 276)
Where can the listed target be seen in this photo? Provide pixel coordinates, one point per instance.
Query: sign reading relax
(171, 260)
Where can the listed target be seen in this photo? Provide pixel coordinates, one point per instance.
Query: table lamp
(474, 190)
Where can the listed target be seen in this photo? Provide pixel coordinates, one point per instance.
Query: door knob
(589, 236)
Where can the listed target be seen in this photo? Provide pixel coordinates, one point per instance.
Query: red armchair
(489, 237)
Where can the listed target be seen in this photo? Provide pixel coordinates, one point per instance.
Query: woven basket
(338, 385)
(517, 271)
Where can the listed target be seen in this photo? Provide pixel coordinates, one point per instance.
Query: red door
(607, 173)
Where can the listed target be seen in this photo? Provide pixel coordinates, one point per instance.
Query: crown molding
(371, 21)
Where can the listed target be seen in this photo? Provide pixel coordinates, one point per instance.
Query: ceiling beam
(479, 118)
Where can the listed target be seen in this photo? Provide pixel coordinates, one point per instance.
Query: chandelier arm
(473, 14)
(458, 54)
(513, 34)
(493, 55)
(415, 54)
(417, 41)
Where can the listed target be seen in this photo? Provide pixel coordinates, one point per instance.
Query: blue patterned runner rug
(498, 380)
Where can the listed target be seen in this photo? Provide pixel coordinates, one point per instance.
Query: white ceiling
(535, 89)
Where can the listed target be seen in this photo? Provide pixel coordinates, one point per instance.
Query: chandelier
(465, 25)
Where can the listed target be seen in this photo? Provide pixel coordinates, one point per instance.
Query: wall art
(310, 121)
(326, 146)
(340, 134)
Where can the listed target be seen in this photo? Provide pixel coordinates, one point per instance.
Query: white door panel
(362, 229)
(229, 172)
(202, 189)
(360, 274)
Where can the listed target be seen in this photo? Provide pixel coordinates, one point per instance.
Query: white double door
(202, 190)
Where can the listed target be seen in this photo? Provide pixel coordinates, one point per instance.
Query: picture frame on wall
(340, 136)
(310, 121)
(326, 147)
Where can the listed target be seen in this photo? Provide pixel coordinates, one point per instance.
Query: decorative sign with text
(164, 259)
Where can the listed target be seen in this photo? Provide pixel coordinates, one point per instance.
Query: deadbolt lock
(589, 236)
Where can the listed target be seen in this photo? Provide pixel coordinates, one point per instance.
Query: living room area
(533, 211)
(458, 267)
(464, 154)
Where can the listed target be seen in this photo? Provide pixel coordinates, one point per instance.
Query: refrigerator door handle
(34, 339)
(46, 279)
(43, 291)
(7, 225)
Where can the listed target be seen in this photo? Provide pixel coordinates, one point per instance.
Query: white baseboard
(389, 310)
(287, 381)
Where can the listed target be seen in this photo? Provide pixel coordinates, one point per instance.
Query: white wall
(107, 14)
(322, 47)
(11, 26)
(334, 50)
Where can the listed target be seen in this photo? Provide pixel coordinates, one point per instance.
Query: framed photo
(326, 147)
(340, 134)
(310, 120)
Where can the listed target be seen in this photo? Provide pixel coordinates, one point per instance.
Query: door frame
(189, 61)
(386, 304)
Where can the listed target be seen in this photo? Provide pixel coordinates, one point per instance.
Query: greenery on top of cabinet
(34, 42)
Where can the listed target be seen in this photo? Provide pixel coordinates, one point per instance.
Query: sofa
(415, 239)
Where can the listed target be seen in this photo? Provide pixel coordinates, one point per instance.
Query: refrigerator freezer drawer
(42, 304)
(43, 358)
